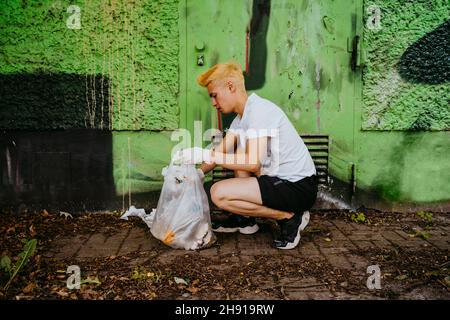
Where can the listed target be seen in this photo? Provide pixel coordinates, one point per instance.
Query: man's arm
(250, 161)
(227, 145)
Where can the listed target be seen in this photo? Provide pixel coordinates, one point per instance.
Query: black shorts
(288, 196)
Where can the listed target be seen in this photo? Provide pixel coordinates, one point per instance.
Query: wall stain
(318, 79)
(258, 27)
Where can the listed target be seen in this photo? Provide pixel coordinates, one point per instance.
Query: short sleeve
(263, 124)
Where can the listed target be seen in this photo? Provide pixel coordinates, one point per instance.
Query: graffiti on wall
(406, 80)
(428, 59)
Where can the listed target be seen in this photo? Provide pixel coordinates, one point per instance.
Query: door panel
(215, 32)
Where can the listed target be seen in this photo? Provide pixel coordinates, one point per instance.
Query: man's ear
(231, 86)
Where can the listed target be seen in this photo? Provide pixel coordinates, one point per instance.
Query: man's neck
(242, 101)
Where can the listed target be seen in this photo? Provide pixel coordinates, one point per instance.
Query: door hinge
(354, 45)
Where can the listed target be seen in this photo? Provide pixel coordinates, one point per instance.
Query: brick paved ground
(345, 246)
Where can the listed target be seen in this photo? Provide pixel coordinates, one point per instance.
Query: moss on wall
(406, 82)
(126, 49)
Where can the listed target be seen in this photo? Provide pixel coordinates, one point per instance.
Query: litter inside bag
(181, 219)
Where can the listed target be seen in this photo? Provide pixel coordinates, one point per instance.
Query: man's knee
(218, 197)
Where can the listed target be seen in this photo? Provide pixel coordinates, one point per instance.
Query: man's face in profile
(222, 95)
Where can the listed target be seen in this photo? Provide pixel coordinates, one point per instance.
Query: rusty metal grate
(319, 146)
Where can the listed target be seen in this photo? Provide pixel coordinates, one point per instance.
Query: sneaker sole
(246, 230)
(305, 221)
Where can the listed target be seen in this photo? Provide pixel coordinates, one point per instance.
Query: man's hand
(201, 175)
(192, 156)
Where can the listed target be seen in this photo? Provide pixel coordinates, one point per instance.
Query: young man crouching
(275, 175)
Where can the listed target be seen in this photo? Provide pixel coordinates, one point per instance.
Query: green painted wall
(118, 71)
(138, 159)
(406, 82)
(406, 94)
(131, 68)
(407, 167)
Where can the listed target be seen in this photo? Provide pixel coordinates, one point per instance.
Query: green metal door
(215, 32)
(300, 54)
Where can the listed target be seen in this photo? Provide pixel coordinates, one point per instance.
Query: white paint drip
(129, 173)
(8, 165)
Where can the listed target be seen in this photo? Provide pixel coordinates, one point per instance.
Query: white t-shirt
(287, 156)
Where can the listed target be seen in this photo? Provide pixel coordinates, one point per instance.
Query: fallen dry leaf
(218, 287)
(29, 288)
(192, 290)
(32, 231)
(124, 279)
(63, 293)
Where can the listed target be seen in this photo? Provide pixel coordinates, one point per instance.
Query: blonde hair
(223, 72)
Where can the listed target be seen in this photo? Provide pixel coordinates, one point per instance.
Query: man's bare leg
(242, 196)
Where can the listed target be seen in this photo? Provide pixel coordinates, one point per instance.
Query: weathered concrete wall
(406, 82)
(118, 71)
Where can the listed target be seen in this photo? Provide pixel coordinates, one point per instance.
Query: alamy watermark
(74, 20)
(74, 280)
(373, 21)
(374, 280)
(268, 154)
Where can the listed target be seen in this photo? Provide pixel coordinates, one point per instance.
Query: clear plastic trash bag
(182, 219)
